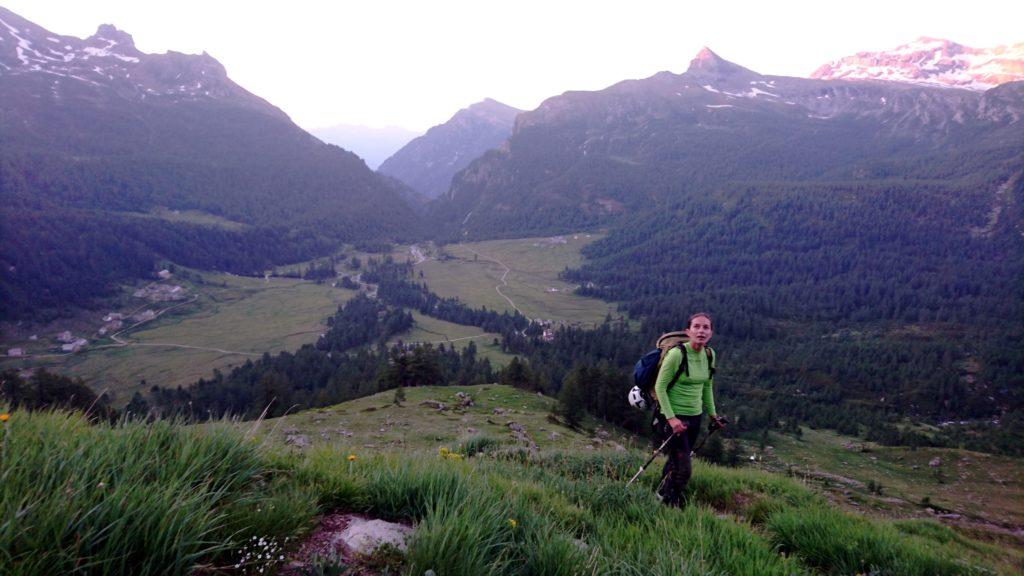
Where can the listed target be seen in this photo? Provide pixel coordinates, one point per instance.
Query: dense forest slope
(97, 133)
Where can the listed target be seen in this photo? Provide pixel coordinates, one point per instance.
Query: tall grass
(77, 498)
(839, 543)
(549, 517)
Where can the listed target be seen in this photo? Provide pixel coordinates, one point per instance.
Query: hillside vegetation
(166, 499)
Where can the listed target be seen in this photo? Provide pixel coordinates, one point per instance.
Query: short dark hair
(689, 321)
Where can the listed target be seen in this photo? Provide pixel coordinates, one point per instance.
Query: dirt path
(503, 277)
(121, 342)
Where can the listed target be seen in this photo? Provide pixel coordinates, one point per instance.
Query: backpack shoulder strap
(711, 361)
(684, 367)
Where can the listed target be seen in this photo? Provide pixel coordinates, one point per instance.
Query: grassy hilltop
(169, 499)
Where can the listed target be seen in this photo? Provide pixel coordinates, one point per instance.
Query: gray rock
(465, 400)
(297, 440)
(365, 536)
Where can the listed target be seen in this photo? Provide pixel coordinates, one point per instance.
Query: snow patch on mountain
(933, 62)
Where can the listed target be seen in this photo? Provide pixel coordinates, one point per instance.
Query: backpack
(645, 372)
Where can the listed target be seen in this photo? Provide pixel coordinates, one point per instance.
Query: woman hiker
(682, 404)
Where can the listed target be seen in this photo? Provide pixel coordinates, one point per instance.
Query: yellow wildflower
(512, 522)
(4, 417)
(351, 457)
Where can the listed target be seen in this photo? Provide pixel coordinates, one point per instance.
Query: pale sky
(414, 63)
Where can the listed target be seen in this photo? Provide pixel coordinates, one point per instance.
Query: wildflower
(101, 485)
(4, 417)
(351, 457)
(512, 522)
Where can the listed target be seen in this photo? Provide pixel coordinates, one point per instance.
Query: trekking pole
(649, 460)
(715, 426)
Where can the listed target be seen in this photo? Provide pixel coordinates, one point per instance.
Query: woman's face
(700, 330)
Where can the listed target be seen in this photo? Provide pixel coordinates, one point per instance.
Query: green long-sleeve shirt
(690, 394)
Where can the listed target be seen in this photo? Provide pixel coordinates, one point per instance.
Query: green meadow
(233, 319)
(530, 267)
(197, 217)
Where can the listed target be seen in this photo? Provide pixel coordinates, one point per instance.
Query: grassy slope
(232, 313)
(376, 424)
(126, 500)
(983, 486)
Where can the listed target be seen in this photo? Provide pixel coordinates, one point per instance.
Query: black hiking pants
(678, 468)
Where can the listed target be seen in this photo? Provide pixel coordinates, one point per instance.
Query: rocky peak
(707, 63)
(706, 59)
(109, 33)
(492, 111)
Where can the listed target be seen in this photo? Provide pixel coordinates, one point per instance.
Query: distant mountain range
(428, 163)
(97, 134)
(585, 158)
(98, 137)
(932, 61)
(371, 144)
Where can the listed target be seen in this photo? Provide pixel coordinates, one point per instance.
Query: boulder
(364, 536)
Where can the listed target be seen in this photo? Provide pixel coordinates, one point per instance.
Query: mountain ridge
(429, 162)
(109, 59)
(564, 155)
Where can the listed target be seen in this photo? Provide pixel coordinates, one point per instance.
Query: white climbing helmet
(636, 398)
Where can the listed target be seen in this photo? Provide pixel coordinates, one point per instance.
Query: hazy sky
(414, 63)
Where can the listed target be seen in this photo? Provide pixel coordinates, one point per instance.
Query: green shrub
(479, 444)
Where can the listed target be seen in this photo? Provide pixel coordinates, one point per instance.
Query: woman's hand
(677, 425)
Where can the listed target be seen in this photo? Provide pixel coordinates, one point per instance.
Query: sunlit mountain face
(935, 62)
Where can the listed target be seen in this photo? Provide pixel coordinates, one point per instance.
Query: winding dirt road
(503, 278)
